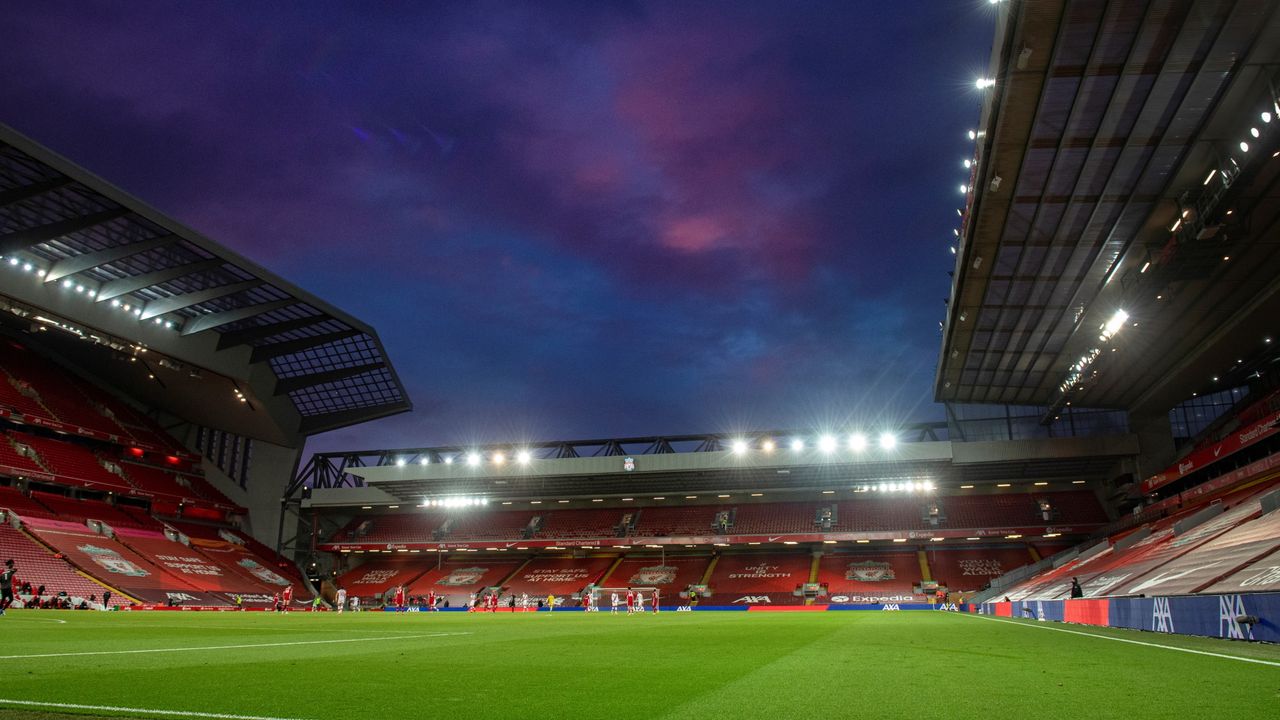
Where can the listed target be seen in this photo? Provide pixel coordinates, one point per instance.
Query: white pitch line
(1126, 640)
(226, 647)
(139, 711)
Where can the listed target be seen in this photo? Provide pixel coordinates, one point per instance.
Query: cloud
(563, 218)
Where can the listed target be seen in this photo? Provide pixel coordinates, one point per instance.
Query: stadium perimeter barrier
(1238, 617)
(880, 607)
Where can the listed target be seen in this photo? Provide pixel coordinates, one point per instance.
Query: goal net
(602, 598)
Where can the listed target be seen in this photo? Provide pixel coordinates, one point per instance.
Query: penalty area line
(135, 711)
(145, 651)
(1258, 661)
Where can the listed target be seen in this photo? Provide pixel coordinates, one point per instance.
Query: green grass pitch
(570, 665)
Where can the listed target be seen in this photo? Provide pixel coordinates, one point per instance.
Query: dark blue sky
(566, 219)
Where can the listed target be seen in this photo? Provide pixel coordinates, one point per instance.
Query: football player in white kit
(640, 603)
(614, 600)
(341, 599)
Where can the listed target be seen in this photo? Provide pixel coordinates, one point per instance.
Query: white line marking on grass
(1126, 640)
(227, 647)
(138, 711)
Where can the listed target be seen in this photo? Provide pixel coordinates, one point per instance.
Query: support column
(1155, 443)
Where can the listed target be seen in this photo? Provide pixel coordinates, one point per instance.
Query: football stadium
(1091, 528)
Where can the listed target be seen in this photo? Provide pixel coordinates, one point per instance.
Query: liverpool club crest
(869, 571)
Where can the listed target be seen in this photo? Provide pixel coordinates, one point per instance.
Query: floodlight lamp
(827, 444)
(473, 459)
(797, 444)
(523, 457)
(857, 442)
(888, 441)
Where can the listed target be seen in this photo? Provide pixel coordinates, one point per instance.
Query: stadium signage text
(1233, 443)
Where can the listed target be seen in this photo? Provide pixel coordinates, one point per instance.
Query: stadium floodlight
(424, 461)
(523, 457)
(984, 83)
(857, 442)
(888, 441)
(963, 188)
(399, 462)
(767, 446)
(1254, 132)
(882, 487)
(473, 459)
(1244, 146)
(973, 134)
(499, 458)
(1115, 324)
(928, 485)
(827, 444)
(968, 163)
(797, 444)
(739, 446)
(448, 460)
(1266, 116)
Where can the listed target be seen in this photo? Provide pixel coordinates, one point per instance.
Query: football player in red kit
(287, 598)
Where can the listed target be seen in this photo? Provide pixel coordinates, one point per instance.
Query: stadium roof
(702, 464)
(1123, 167)
(116, 270)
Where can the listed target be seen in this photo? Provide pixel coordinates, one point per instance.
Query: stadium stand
(72, 509)
(455, 579)
(57, 391)
(1182, 553)
(115, 563)
(12, 462)
(675, 521)
(380, 575)
(854, 577)
(13, 499)
(154, 481)
(774, 518)
(579, 524)
(37, 565)
(192, 567)
(969, 569)
(73, 463)
(672, 575)
(561, 577)
(499, 525)
(1079, 509)
(774, 575)
(273, 575)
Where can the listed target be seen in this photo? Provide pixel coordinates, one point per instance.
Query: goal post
(602, 597)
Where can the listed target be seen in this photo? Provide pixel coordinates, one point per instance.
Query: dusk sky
(565, 219)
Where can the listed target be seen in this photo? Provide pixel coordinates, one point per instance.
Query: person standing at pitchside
(6, 585)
